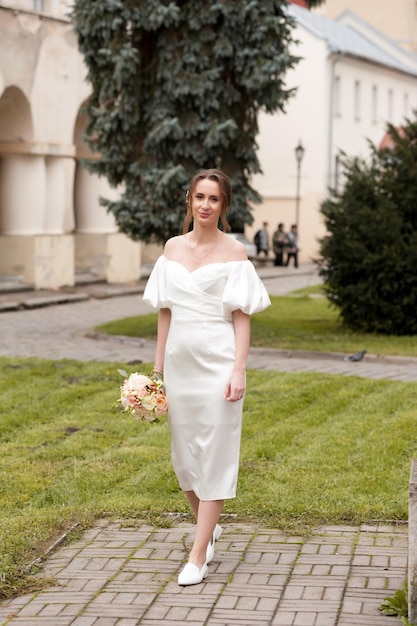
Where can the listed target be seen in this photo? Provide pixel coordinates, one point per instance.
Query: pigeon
(358, 356)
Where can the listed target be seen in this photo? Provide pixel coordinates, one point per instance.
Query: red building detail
(301, 3)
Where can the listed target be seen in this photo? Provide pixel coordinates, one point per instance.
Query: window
(337, 173)
(337, 95)
(357, 101)
(390, 112)
(374, 104)
(406, 105)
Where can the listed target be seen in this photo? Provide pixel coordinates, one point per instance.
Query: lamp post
(299, 154)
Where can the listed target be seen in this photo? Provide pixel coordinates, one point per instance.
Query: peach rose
(161, 403)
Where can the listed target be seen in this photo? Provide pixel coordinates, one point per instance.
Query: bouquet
(143, 397)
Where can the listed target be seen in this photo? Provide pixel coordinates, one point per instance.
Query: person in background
(205, 289)
(279, 242)
(293, 247)
(261, 240)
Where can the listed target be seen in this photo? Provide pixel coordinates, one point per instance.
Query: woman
(205, 288)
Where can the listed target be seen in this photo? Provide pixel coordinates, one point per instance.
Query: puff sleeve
(244, 290)
(156, 294)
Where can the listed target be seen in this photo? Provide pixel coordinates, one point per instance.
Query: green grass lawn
(297, 322)
(316, 449)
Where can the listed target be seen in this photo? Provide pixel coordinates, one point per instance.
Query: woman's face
(206, 202)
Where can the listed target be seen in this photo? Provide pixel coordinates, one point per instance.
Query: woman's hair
(225, 189)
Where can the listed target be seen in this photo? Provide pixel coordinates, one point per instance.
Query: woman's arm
(164, 320)
(235, 388)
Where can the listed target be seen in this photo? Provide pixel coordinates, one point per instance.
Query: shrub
(369, 256)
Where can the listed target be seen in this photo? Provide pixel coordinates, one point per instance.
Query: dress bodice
(214, 289)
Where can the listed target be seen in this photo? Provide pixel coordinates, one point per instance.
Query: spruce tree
(369, 256)
(177, 86)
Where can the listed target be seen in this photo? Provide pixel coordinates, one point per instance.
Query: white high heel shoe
(191, 575)
(217, 533)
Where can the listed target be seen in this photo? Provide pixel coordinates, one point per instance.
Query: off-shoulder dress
(199, 358)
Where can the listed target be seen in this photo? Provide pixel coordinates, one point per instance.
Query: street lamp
(299, 154)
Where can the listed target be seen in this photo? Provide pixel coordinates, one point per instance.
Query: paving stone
(363, 620)
(51, 610)
(157, 612)
(284, 618)
(72, 610)
(39, 621)
(305, 619)
(105, 621)
(313, 593)
(325, 619)
(83, 621)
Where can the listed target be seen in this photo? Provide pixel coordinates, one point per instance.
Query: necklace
(201, 258)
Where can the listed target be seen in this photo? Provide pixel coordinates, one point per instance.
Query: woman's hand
(235, 388)
(157, 374)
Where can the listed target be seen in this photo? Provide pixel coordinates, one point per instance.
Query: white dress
(199, 357)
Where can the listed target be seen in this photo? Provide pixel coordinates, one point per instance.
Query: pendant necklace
(201, 258)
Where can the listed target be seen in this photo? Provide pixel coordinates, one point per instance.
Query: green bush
(369, 256)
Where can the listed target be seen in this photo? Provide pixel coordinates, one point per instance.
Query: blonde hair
(225, 189)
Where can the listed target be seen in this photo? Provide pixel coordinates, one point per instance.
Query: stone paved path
(125, 576)
(121, 575)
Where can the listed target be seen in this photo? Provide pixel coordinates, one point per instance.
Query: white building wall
(306, 120)
(353, 128)
(58, 87)
(333, 111)
(280, 134)
(55, 8)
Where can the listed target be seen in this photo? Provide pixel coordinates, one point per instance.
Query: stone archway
(22, 185)
(90, 216)
(18, 166)
(100, 250)
(34, 248)
(16, 125)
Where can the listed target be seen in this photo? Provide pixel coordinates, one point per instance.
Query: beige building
(52, 226)
(397, 20)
